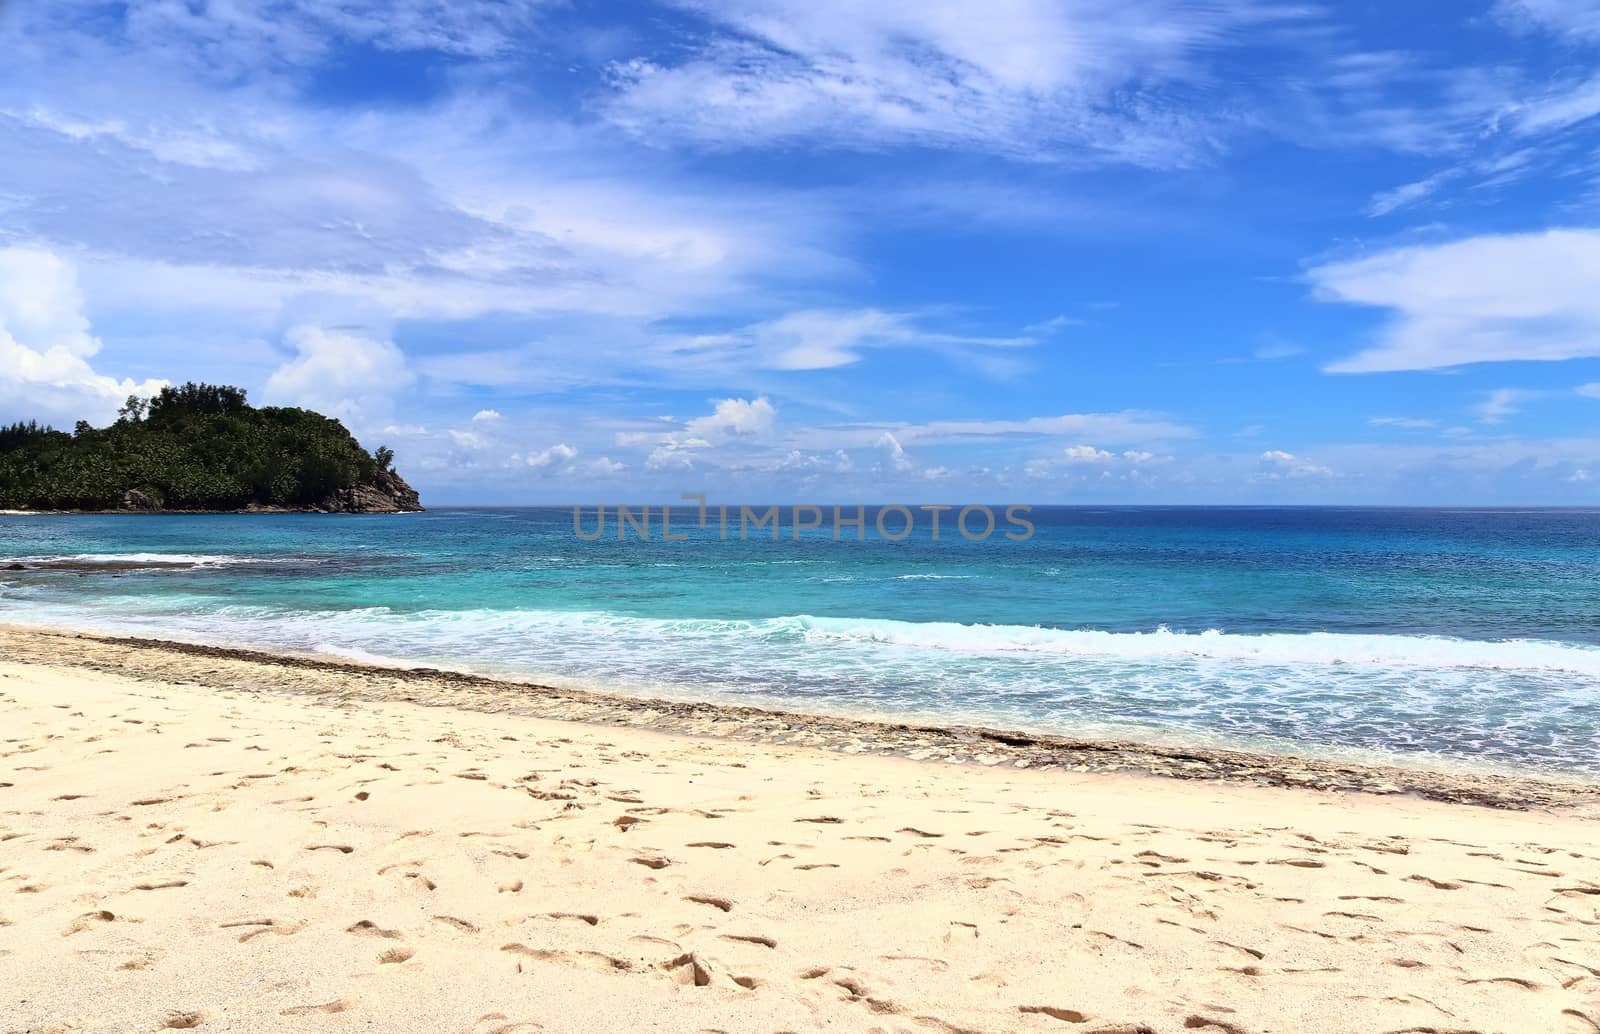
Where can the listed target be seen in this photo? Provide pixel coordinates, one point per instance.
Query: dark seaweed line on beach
(140, 658)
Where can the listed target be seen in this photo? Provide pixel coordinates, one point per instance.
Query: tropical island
(199, 447)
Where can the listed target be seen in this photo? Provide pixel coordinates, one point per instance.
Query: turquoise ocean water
(1462, 636)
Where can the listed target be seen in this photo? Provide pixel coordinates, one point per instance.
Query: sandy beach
(215, 842)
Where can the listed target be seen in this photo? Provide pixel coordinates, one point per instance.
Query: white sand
(179, 857)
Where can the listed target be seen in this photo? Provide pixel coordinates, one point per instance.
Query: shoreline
(233, 668)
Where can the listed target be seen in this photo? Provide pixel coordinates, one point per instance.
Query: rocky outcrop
(387, 493)
(133, 499)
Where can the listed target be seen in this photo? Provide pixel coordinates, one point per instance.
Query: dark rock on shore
(388, 493)
(133, 499)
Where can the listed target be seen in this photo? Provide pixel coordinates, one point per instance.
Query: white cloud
(225, 39)
(820, 339)
(553, 458)
(1407, 422)
(1277, 350)
(486, 416)
(1023, 77)
(1580, 18)
(1125, 427)
(894, 454)
(676, 452)
(46, 345)
(1495, 170)
(1565, 103)
(1591, 390)
(340, 374)
(813, 463)
(1076, 457)
(605, 466)
(736, 417)
(1275, 465)
(1087, 454)
(1482, 299)
(1388, 201)
(1504, 402)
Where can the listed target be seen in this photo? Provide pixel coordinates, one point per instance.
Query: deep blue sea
(1425, 635)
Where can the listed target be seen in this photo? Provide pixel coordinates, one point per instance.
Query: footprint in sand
(1209, 1023)
(1066, 1015)
(1579, 1023)
(88, 920)
(765, 942)
(183, 1020)
(721, 904)
(278, 927)
(584, 918)
(500, 1023)
(688, 970)
(337, 1005)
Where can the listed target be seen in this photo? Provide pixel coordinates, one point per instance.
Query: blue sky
(1144, 251)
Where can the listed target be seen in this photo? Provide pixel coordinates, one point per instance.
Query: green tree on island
(198, 447)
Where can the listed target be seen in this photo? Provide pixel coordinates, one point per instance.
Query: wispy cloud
(1577, 18)
(1502, 403)
(820, 339)
(1406, 194)
(1116, 428)
(1408, 423)
(1476, 300)
(245, 36)
(1030, 78)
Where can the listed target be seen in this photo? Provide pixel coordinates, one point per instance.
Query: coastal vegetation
(198, 447)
